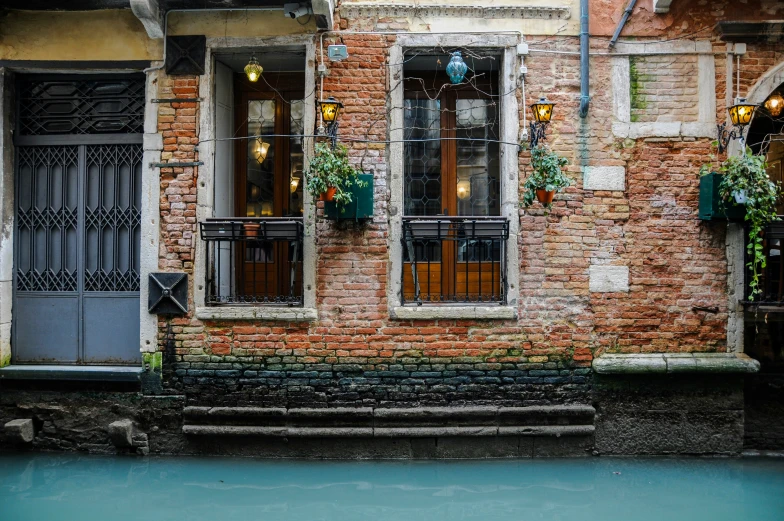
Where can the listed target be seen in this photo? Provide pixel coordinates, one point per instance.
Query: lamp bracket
(725, 135)
(537, 133)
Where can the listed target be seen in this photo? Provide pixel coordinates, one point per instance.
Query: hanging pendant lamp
(253, 70)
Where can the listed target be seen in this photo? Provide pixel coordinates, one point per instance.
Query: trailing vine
(746, 174)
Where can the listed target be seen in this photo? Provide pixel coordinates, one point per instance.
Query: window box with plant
(546, 177)
(330, 176)
(744, 180)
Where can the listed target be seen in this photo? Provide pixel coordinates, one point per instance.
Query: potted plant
(745, 181)
(251, 229)
(547, 177)
(330, 176)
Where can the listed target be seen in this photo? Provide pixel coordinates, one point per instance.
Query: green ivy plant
(330, 168)
(748, 173)
(546, 174)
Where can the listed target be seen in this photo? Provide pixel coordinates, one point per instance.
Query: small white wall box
(337, 53)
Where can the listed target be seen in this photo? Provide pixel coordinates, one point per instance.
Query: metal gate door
(77, 223)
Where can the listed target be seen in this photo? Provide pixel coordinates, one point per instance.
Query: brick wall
(663, 88)
(354, 354)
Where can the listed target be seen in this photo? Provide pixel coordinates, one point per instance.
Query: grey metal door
(78, 196)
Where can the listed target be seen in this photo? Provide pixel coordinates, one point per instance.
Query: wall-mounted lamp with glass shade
(740, 116)
(260, 149)
(294, 184)
(330, 109)
(543, 112)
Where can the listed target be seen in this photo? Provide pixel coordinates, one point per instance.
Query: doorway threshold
(100, 373)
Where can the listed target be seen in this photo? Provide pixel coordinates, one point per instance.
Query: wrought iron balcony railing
(252, 261)
(454, 260)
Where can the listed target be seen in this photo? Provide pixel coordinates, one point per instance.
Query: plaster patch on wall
(608, 279)
(604, 178)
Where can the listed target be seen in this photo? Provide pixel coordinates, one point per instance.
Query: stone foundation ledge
(556, 421)
(675, 363)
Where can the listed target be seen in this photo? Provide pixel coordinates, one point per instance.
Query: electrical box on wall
(360, 207)
(337, 53)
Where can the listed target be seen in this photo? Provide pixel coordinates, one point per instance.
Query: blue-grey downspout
(584, 69)
(626, 13)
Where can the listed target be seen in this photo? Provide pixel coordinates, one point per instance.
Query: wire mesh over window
(81, 106)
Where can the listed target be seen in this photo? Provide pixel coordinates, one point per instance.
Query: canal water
(91, 488)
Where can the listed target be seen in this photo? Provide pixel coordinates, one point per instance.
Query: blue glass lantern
(456, 68)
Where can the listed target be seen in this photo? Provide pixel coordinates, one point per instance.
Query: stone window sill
(435, 312)
(281, 313)
(671, 363)
(84, 373)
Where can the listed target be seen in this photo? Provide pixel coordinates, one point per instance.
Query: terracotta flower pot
(545, 196)
(329, 195)
(251, 229)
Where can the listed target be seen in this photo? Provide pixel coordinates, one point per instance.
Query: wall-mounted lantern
(330, 109)
(543, 112)
(456, 68)
(775, 104)
(253, 70)
(740, 116)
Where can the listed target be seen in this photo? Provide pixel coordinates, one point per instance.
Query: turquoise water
(89, 488)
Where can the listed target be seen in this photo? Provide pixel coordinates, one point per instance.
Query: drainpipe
(584, 69)
(626, 13)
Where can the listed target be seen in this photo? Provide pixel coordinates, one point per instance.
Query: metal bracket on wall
(176, 100)
(173, 165)
(168, 293)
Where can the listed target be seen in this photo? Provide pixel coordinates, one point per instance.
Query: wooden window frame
(443, 90)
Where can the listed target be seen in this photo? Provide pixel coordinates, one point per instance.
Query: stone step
(557, 421)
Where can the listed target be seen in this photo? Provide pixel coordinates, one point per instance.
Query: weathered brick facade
(356, 354)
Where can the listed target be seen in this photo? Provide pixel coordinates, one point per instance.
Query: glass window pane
(296, 158)
(422, 123)
(260, 189)
(478, 183)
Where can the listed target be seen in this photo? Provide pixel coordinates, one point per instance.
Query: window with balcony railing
(253, 261)
(254, 252)
(454, 237)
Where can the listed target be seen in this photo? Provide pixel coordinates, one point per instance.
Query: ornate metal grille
(47, 212)
(111, 215)
(74, 199)
(81, 106)
(77, 238)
